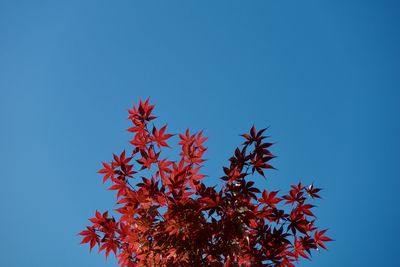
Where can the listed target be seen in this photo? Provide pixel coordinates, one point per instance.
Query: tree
(171, 218)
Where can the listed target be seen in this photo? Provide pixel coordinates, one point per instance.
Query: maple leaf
(160, 137)
(143, 112)
(270, 198)
(320, 238)
(163, 168)
(259, 163)
(148, 158)
(305, 209)
(254, 136)
(121, 186)
(296, 195)
(312, 191)
(108, 171)
(109, 245)
(90, 236)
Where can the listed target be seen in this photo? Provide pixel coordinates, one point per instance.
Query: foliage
(171, 218)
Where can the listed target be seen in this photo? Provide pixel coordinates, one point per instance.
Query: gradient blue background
(323, 74)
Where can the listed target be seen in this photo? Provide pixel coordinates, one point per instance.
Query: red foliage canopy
(171, 218)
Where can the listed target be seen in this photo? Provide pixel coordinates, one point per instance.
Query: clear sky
(323, 74)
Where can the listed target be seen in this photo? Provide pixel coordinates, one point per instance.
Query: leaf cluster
(169, 217)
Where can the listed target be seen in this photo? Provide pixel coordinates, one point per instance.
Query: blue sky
(323, 74)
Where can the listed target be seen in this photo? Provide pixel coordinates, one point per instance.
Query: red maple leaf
(160, 137)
